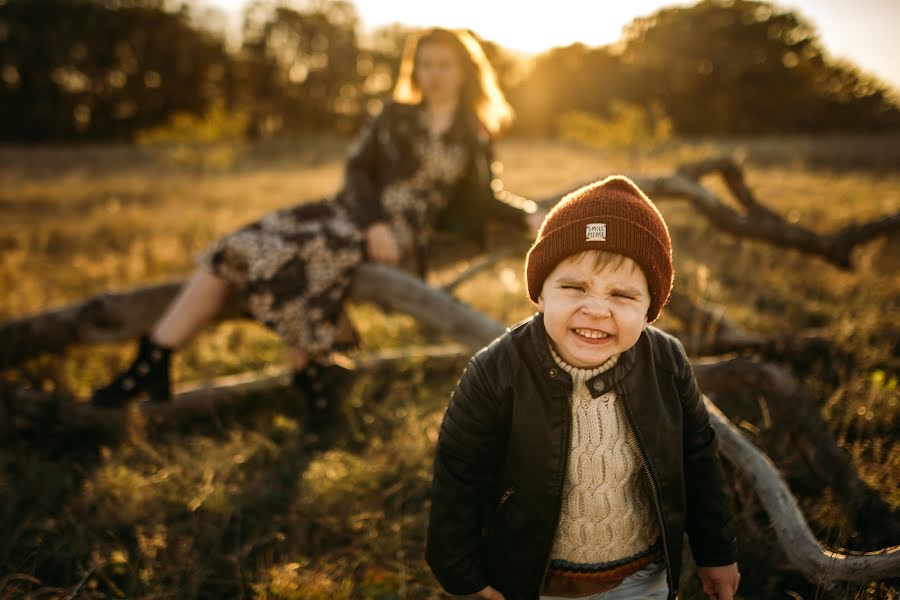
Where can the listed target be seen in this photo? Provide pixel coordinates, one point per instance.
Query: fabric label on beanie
(596, 232)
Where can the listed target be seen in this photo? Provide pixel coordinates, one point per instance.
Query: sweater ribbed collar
(581, 376)
(539, 342)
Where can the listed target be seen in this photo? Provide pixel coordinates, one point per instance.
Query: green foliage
(629, 129)
(210, 141)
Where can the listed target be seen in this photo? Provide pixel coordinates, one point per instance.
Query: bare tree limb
(121, 316)
(794, 535)
(792, 406)
(486, 262)
(23, 407)
(709, 331)
(759, 222)
(733, 176)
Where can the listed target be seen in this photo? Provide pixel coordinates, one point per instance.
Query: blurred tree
(382, 51)
(746, 66)
(630, 130)
(76, 69)
(299, 66)
(719, 66)
(572, 78)
(89, 69)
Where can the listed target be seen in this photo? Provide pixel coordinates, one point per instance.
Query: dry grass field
(242, 505)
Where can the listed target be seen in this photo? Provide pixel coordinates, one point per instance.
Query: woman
(423, 163)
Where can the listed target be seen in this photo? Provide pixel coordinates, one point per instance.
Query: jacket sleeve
(465, 469)
(361, 193)
(708, 521)
(502, 204)
(481, 197)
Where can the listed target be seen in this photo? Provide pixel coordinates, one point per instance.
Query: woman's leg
(201, 298)
(148, 375)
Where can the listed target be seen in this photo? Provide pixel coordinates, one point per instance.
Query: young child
(576, 450)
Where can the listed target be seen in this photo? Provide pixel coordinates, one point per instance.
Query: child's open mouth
(590, 334)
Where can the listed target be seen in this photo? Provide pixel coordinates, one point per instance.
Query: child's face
(593, 314)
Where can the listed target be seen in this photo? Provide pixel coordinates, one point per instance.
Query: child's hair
(480, 90)
(613, 216)
(600, 259)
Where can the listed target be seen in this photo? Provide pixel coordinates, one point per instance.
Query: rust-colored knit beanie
(613, 215)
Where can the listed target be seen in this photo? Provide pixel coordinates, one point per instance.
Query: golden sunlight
(862, 36)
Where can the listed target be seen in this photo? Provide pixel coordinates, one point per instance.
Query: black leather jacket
(384, 152)
(502, 455)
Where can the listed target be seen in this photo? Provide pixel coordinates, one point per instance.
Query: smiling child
(576, 450)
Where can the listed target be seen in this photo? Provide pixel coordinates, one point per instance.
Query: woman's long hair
(480, 90)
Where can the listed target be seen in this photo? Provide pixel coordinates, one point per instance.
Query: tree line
(75, 70)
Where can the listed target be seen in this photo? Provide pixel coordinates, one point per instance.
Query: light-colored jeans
(647, 584)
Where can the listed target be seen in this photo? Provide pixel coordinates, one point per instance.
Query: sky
(862, 31)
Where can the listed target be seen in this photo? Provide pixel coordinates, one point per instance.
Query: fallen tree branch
(759, 222)
(792, 406)
(486, 262)
(25, 407)
(794, 535)
(709, 331)
(733, 176)
(122, 316)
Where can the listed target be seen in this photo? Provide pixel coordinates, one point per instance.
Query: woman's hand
(382, 244)
(491, 594)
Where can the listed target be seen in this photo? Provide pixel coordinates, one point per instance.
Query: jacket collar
(463, 128)
(538, 347)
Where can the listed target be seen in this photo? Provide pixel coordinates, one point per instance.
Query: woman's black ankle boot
(323, 387)
(147, 377)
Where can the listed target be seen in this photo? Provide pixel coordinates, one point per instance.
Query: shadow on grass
(247, 503)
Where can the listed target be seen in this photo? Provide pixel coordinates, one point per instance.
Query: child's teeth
(589, 333)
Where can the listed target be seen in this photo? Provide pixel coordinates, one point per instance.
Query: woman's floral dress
(294, 266)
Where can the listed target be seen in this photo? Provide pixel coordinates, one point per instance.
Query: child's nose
(596, 305)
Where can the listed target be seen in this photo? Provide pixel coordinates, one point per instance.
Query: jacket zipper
(562, 483)
(656, 503)
(506, 495)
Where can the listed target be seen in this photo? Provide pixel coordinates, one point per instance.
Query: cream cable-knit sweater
(607, 510)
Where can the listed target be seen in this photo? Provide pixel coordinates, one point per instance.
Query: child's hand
(491, 594)
(720, 583)
(382, 245)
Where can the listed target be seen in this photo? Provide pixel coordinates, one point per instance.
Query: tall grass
(254, 504)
